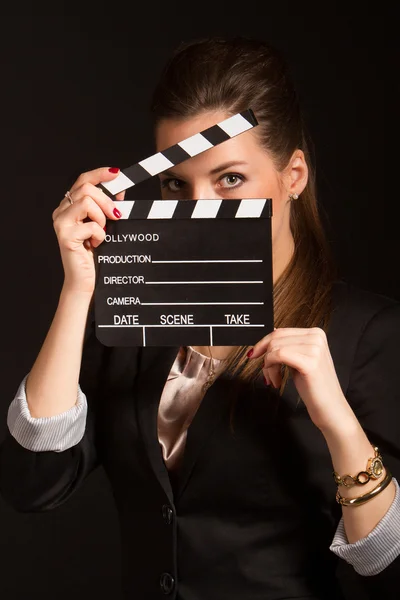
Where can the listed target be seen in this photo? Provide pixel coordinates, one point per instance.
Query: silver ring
(68, 195)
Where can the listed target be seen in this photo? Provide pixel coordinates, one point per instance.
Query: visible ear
(296, 173)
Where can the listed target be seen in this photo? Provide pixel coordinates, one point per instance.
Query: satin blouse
(180, 399)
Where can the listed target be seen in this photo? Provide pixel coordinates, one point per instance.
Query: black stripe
(175, 154)
(184, 209)
(249, 116)
(136, 173)
(141, 209)
(267, 210)
(215, 135)
(228, 209)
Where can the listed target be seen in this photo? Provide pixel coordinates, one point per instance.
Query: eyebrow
(223, 167)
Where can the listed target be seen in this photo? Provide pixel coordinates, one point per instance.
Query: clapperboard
(185, 272)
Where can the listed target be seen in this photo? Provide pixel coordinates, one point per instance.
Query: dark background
(76, 83)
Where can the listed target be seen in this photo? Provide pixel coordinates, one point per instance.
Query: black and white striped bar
(174, 155)
(247, 208)
(185, 272)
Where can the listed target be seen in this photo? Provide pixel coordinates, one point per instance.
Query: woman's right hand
(77, 238)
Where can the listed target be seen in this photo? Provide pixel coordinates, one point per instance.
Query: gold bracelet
(374, 470)
(365, 497)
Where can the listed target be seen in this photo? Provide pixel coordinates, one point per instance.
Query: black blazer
(253, 512)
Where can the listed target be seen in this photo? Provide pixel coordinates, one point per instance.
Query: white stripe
(162, 209)
(179, 326)
(235, 125)
(197, 282)
(198, 303)
(250, 207)
(170, 262)
(156, 164)
(206, 209)
(120, 183)
(125, 208)
(195, 144)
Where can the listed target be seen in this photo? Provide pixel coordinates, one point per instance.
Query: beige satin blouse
(180, 399)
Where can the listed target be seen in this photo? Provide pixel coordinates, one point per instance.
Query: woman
(224, 491)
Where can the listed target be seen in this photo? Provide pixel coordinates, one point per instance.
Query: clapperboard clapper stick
(178, 153)
(185, 272)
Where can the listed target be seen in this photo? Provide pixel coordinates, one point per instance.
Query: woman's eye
(172, 185)
(232, 180)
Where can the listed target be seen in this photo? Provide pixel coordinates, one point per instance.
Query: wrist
(76, 301)
(350, 451)
(342, 427)
(69, 291)
(345, 437)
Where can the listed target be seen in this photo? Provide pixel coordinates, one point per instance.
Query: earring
(293, 196)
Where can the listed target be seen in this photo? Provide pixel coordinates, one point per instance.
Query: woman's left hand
(307, 353)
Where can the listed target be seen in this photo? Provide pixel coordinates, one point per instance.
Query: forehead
(171, 131)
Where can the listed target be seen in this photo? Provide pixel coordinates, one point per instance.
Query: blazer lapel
(155, 365)
(213, 409)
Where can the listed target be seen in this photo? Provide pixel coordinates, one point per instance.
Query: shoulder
(363, 325)
(353, 308)
(350, 298)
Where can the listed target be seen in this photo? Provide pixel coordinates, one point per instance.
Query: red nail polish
(117, 213)
(105, 229)
(113, 170)
(250, 353)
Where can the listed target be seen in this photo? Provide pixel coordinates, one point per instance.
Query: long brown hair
(233, 75)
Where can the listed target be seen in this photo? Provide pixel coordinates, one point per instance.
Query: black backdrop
(76, 85)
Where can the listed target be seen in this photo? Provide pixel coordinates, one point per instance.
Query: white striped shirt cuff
(372, 554)
(56, 434)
